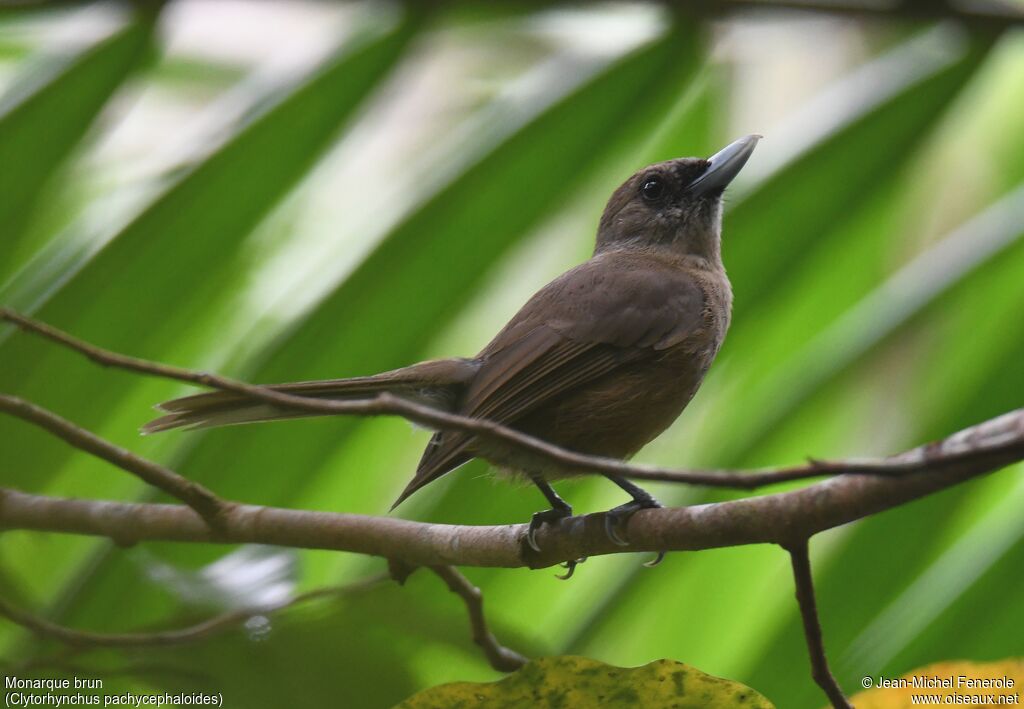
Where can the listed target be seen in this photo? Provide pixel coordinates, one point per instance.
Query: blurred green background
(296, 190)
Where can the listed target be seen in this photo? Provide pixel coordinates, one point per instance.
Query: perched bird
(601, 360)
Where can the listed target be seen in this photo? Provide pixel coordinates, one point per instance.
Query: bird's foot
(617, 519)
(552, 516)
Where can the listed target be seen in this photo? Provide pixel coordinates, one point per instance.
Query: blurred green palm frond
(341, 189)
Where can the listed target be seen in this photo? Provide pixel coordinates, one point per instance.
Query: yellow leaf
(954, 683)
(570, 682)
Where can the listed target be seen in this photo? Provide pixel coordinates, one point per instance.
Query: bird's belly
(619, 414)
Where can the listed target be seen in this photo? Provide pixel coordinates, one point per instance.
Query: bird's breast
(617, 414)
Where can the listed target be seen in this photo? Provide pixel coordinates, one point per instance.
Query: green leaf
(563, 682)
(779, 223)
(961, 629)
(146, 290)
(54, 109)
(959, 260)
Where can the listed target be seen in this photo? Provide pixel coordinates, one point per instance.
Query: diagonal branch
(501, 658)
(804, 583)
(193, 633)
(196, 496)
(566, 460)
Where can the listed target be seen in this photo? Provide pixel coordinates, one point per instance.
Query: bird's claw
(540, 519)
(610, 521)
(570, 568)
(612, 533)
(655, 561)
(618, 517)
(531, 539)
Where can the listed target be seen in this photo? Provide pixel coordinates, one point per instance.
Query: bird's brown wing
(609, 311)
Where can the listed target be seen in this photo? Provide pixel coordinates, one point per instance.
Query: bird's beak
(724, 165)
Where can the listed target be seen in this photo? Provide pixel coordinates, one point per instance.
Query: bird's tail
(436, 382)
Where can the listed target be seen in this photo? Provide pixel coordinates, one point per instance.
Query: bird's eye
(652, 189)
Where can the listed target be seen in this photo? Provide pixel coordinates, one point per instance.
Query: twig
(568, 461)
(192, 633)
(196, 496)
(501, 658)
(804, 583)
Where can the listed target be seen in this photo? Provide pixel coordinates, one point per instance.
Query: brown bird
(601, 360)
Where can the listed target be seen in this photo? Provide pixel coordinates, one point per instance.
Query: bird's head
(674, 205)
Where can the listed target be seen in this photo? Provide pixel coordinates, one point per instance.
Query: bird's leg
(618, 517)
(560, 509)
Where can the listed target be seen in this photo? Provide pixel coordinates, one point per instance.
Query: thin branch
(501, 658)
(192, 633)
(566, 460)
(804, 583)
(196, 496)
(783, 518)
